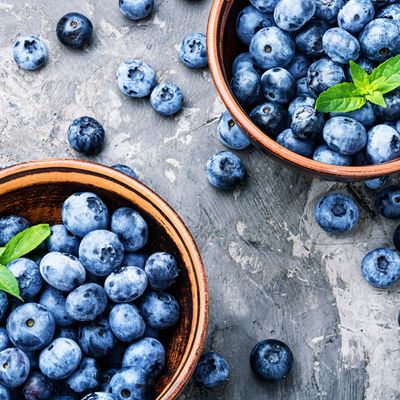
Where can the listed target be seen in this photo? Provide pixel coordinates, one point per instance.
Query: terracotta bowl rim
(215, 22)
(187, 366)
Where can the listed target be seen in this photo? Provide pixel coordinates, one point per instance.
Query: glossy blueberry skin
(86, 302)
(271, 360)
(376, 183)
(167, 98)
(4, 393)
(4, 340)
(54, 301)
(84, 212)
(135, 260)
(37, 387)
(11, 226)
(58, 360)
(291, 15)
(136, 9)
(62, 271)
(14, 367)
(86, 136)
(302, 86)
(125, 169)
(30, 52)
(388, 202)
(365, 115)
(136, 79)
(61, 240)
(340, 46)
(96, 339)
(74, 30)
(3, 304)
(100, 396)
(307, 123)
(298, 67)
(336, 213)
(101, 252)
(301, 101)
(323, 74)
(265, 6)
(325, 154)
(161, 270)
(246, 86)
(278, 85)
(381, 267)
(355, 14)
(28, 276)
(270, 117)
(290, 141)
(225, 170)
(383, 144)
(380, 39)
(328, 10)
(126, 323)
(130, 384)
(193, 50)
(230, 134)
(31, 327)
(391, 12)
(125, 284)
(212, 370)
(309, 39)
(392, 110)
(160, 310)
(272, 47)
(130, 227)
(147, 355)
(85, 377)
(249, 21)
(242, 61)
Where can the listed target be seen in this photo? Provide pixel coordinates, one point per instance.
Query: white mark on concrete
(186, 120)
(6, 6)
(240, 227)
(159, 22)
(317, 340)
(170, 175)
(173, 162)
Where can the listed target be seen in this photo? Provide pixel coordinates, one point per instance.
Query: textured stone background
(272, 271)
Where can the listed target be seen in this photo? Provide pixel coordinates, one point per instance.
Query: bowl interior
(39, 194)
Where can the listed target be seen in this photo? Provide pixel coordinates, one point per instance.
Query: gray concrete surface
(272, 271)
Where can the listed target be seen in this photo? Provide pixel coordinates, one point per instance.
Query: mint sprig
(345, 97)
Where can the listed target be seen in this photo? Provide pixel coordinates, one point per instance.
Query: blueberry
(125, 169)
(396, 238)
(278, 85)
(309, 39)
(167, 98)
(28, 276)
(270, 117)
(242, 61)
(355, 14)
(230, 134)
(30, 52)
(380, 39)
(147, 355)
(100, 396)
(10, 226)
(365, 115)
(62, 271)
(249, 21)
(340, 46)
(271, 360)
(14, 367)
(382, 3)
(302, 86)
(136, 79)
(54, 301)
(212, 370)
(193, 50)
(160, 310)
(3, 304)
(161, 270)
(301, 101)
(245, 86)
(4, 340)
(86, 135)
(328, 10)
(398, 126)
(376, 183)
(60, 358)
(63, 241)
(135, 259)
(388, 202)
(4, 393)
(74, 30)
(336, 213)
(96, 339)
(67, 332)
(265, 6)
(136, 9)
(325, 154)
(125, 284)
(130, 384)
(392, 110)
(383, 144)
(31, 327)
(271, 47)
(324, 74)
(298, 67)
(37, 387)
(85, 377)
(391, 12)
(126, 323)
(381, 267)
(105, 378)
(364, 63)
(84, 212)
(307, 123)
(291, 15)
(86, 302)
(225, 170)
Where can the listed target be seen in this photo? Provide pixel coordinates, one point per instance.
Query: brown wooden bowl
(223, 46)
(37, 189)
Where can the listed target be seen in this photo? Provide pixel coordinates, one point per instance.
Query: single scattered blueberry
(265, 6)
(130, 384)
(364, 115)
(324, 74)
(10, 226)
(30, 52)
(161, 270)
(328, 10)
(126, 323)
(167, 98)
(340, 46)
(383, 144)
(125, 169)
(376, 183)
(14, 367)
(301, 101)
(355, 14)
(86, 377)
(298, 67)
(74, 30)
(291, 15)
(278, 85)
(193, 50)
(135, 259)
(270, 117)
(212, 370)
(246, 86)
(388, 202)
(230, 134)
(37, 387)
(290, 141)
(62, 241)
(136, 9)
(309, 39)
(307, 122)
(54, 301)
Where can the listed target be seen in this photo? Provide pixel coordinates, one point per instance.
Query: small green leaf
(360, 76)
(2, 250)
(24, 242)
(386, 77)
(9, 283)
(343, 97)
(376, 98)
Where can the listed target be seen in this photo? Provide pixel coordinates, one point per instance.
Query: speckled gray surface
(272, 271)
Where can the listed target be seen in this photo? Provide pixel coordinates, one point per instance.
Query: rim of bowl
(216, 22)
(24, 171)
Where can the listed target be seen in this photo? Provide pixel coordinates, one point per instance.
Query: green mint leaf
(386, 77)
(343, 97)
(376, 98)
(8, 282)
(2, 250)
(24, 242)
(360, 76)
